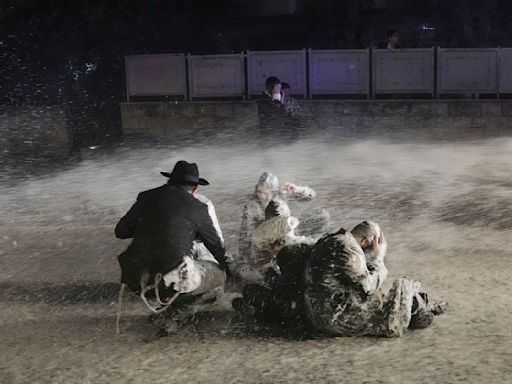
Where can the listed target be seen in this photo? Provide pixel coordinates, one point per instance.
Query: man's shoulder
(148, 193)
(203, 199)
(171, 192)
(267, 104)
(334, 245)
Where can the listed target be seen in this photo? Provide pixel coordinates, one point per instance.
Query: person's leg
(421, 316)
(437, 307)
(208, 280)
(260, 302)
(398, 313)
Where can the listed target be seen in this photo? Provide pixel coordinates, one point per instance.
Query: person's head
(270, 83)
(277, 207)
(285, 89)
(186, 175)
(266, 188)
(393, 37)
(366, 233)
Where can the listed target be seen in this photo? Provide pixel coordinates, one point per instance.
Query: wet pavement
(446, 209)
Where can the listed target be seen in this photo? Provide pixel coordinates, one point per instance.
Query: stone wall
(411, 119)
(39, 131)
(182, 120)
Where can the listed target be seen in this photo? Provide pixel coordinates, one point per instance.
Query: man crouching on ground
(164, 222)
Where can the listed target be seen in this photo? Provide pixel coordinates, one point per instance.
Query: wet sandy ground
(445, 208)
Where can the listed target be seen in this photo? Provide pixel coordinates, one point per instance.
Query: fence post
(249, 85)
(188, 77)
(304, 75)
(126, 87)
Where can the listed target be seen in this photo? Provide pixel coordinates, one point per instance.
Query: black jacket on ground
(163, 223)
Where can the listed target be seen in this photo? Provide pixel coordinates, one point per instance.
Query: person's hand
(265, 267)
(289, 188)
(233, 279)
(378, 245)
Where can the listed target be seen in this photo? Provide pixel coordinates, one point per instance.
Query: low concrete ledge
(443, 118)
(175, 120)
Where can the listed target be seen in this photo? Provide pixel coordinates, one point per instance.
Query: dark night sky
(71, 52)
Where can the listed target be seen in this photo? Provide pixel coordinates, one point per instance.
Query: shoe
(438, 307)
(421, 319)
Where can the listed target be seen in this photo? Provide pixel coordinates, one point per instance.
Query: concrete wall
(422, 119)
(35, 130)
(177, 121)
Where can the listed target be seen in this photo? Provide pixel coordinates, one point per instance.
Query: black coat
(274, 121)
(163, 223)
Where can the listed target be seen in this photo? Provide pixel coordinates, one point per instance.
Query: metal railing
(431, 72)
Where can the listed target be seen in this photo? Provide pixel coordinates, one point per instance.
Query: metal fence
(463, 70)
(403, 71)
(431, 72)
(216, 75)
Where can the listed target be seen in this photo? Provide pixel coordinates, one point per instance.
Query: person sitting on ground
(164, 222)
(276, 231)
(343, 280)
(278, 254)
(253, 213)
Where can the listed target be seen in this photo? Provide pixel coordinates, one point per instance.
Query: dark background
(72, 52)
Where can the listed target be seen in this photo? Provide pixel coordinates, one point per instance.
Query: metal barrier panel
(467, 70)
(155, 75)
(506, 70)
(403, 70)
(287, 66)
(216, 75)
(338, 72)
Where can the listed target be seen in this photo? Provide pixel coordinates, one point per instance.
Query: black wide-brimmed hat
(185, 172)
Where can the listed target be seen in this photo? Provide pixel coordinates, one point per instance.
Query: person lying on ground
(334, 287)
(343, 288)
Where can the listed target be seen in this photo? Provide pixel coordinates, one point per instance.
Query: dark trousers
(272, 306)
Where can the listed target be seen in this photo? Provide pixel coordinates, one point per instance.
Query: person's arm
(209, 236)
(212, 213)
(125, 228)
(244, 241)
(300, 192)
(356, 269)
(379, 249)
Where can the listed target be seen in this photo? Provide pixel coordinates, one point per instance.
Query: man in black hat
(164, 222)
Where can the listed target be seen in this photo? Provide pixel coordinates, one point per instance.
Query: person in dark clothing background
(164, 222)
(392, 40)
(274, 120)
